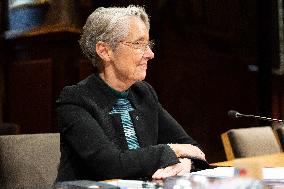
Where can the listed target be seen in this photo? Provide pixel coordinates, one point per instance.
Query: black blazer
(93, 145)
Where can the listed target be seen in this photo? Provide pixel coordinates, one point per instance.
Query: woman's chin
(141, 76)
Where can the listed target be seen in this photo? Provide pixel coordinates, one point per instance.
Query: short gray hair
(109, 25)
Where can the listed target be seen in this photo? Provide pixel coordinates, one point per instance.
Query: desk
(272, 160)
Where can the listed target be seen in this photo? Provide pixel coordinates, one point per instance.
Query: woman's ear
(103, 50)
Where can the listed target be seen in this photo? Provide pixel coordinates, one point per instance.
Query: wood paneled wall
(37, 68)
(3, 25)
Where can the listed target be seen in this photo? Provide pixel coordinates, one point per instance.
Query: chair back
(280, 134)
(247, 142)
(29, 160)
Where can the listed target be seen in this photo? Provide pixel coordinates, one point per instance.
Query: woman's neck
(115, 82)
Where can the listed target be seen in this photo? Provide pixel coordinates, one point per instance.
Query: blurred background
(210, 57)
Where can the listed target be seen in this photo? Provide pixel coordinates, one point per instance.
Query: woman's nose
(149, 54)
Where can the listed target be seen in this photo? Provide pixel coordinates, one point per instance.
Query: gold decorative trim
(17, 4)
(56, 28)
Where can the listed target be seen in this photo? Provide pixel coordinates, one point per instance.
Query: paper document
(274, 173)
(133, 184)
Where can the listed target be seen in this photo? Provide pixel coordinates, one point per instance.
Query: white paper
(274, 173)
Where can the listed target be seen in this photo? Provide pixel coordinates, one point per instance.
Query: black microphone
(235, 114)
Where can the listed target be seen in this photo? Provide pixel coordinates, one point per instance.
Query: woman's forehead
(137, 29)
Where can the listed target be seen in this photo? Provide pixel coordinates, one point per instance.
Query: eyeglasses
(139, 45)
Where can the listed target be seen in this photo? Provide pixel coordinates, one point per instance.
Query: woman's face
(129, 59)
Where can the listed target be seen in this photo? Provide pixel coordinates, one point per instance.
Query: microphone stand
(275, 123)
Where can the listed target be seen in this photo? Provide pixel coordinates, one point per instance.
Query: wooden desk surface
(273, 160)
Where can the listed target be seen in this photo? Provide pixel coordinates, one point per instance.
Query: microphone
(234, 114)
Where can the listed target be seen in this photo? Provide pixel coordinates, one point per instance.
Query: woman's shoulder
(76, 91)
(142, 85)
(144, 88)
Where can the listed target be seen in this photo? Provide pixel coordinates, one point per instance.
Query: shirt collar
(118, 94)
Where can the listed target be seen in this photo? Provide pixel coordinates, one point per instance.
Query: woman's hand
(187, 150)
(173, 170)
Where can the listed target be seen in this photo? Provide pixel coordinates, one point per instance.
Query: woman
(112, 124)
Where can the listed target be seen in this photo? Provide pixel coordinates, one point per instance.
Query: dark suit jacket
(93, 145)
